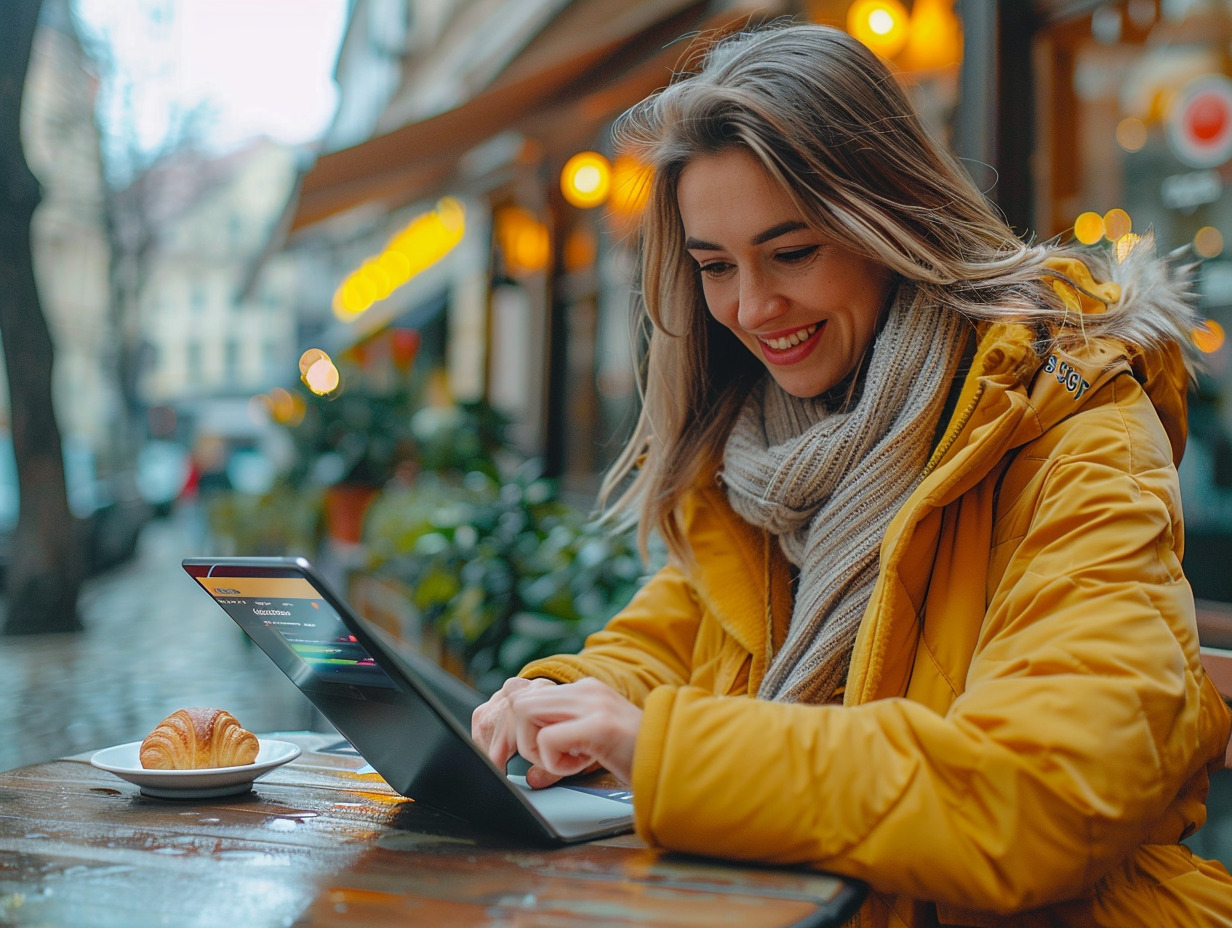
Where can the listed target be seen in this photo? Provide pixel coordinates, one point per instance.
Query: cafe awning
(592, 61)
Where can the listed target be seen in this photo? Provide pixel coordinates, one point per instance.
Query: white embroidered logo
(1067, 376)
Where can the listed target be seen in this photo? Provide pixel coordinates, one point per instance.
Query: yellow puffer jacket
(1026, 730)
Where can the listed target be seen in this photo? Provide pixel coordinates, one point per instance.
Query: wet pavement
(154, 643)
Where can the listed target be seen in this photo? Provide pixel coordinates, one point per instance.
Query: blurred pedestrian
(207, 481)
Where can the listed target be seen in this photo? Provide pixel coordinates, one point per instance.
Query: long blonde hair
(825, 117)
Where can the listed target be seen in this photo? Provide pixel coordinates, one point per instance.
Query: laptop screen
(288, 612)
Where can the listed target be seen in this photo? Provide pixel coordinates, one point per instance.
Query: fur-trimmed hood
(1130, 294)
(1135, 315)
(1130, 303)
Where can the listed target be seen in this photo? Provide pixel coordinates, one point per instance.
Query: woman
(917, 481)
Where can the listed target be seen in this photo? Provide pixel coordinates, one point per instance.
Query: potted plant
(496, 572)
(356, 436)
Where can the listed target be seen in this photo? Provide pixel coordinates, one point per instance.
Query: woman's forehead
(731, 192)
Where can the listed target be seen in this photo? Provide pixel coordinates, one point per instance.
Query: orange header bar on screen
(268, 587)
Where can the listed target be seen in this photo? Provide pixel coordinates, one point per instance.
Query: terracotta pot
(345, 507)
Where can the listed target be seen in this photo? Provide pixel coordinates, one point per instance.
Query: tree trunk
(46, 563)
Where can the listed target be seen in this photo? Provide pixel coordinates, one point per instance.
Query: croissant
(192, 739)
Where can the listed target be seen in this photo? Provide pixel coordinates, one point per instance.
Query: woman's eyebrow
(792, 225)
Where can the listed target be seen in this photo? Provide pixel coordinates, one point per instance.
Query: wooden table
(320, 843)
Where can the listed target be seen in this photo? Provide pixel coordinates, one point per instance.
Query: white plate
(124, 761)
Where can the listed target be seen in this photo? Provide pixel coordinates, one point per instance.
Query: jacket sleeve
(648, 644)
(1078, 722)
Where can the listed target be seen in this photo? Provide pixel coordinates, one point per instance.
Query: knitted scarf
(828, 483)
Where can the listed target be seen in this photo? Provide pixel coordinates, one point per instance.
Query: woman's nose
(760, 302)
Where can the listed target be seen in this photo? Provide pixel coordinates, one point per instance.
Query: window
(194, 363)
(231, 360)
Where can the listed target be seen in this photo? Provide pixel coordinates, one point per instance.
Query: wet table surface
(319, 843)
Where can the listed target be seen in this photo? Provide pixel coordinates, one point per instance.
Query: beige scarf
(828, 483)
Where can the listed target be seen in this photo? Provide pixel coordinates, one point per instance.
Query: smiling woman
(923, 620)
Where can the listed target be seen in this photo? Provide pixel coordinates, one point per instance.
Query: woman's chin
(804, 388)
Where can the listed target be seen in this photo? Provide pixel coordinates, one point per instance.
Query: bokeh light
(309, 358)
(586, 179)
(1089, 228)
(1208, 242)
(524, 241)
(1131, 133)
(879, 24)
(425, 240)
(1116, 224)
(322, 378)
(280, 405)
(1209, 337)
(935, 37)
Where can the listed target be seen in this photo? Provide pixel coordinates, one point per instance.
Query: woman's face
(803, 304)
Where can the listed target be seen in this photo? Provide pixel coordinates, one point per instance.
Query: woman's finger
(503, 741)
(538, 778)
(566, 729)
(493, 723)
(525, 731)
(565, 748)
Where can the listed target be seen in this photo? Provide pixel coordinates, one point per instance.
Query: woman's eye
(714, 269)
(797, 255)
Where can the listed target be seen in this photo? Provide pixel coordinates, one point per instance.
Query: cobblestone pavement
(153, 643)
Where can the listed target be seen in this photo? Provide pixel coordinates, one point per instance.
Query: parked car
(110, 508)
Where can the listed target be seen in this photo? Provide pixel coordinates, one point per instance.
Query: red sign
(1200, 122)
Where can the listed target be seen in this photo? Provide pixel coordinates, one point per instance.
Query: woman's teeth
(790, 341)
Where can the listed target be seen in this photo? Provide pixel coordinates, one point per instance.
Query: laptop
(405, 715)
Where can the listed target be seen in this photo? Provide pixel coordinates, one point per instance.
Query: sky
(263, 67)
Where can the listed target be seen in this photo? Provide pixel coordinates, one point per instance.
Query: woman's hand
(493, 726)
(562, 730)
(570, 728)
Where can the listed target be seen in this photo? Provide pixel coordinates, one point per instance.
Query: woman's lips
(793, 347)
